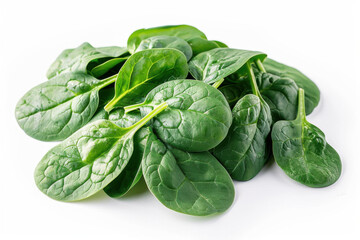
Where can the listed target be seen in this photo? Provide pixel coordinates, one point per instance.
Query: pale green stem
(301, 114)
(253, 84)
(149, 116)
(133, 107)
(107, 81)
(260, 66)
(218, 83)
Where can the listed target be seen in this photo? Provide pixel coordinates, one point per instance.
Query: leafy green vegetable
(233, 92)
(88, 160)
(190, 183)
(82, 59)
(301, 150)
(245, 150)
(103, 68)
(185, 32)
(200, 45)
(218, 63)
(166, 42)
(312, 92)
(105, 95)
(197, 119)
(145, 70)
(55, 109)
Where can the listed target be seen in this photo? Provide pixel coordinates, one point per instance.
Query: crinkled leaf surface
(312, 92)
(197, 118)
(244, 151)
(218, 63)
(166, 42)
(190, 183)
(85, 162)
(301, 150)
(185, 32)
(145, 70)
(55, 109)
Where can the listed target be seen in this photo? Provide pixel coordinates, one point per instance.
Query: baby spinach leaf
(312, 92)
(185, 32)
(199, 45)
(88, 160)
(300, 149)
(245, 150)
(105, 95)
(190, 183)
(197, 119)
(82, 58)
(145, 70)
(218, 63)
(233, 92)
(166, 42)
(103, 68)
(55, 109)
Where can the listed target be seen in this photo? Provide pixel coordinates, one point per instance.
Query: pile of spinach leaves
(187, 114)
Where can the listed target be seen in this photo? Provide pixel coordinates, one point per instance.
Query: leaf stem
(260, 66)
(107, 81)
(133, 107)
(301, 114)
(218, 83)
(253, 84)
(149, 116)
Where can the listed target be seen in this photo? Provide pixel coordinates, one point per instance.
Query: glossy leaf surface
(166, 42)
(185, 32)
(55, 109)
(244, 151)
(197, 119)
(301, 150)
(199, 45)
(145, 70)
(190, 183)
(219, 63)
(82, 59)
(88, 160)
(312, 92)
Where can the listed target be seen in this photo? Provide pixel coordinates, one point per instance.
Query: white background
(321, 38)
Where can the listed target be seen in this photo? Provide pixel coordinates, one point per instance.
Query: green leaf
(88, 160)
(233, 92)
(82, 59)
(197, 119)
(145, 70)
(199, 45)
(105, 95)
(190, 183)
(312, 92)
(185, 32)
(300, 149)
(166, 42)
(104, 68)
(55, 109)
(219, 63)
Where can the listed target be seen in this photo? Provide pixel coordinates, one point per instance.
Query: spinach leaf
(245, 150)
(105, 95)
(185, 32)
(145, 70)
(190, 183)
(233, 92)
(312, 92)
(82, 58)
(88, 160)
(300, 149)
(199, 45)
(166, 42)
(132, 172)
(55, 109)
(218, 63)
(102, 69)
(197, 119)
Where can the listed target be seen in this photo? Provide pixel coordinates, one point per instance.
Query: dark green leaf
(166, 42)
(199, 45)
(190, 183)
(185, 32)
(145, 70)
(301, 150)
